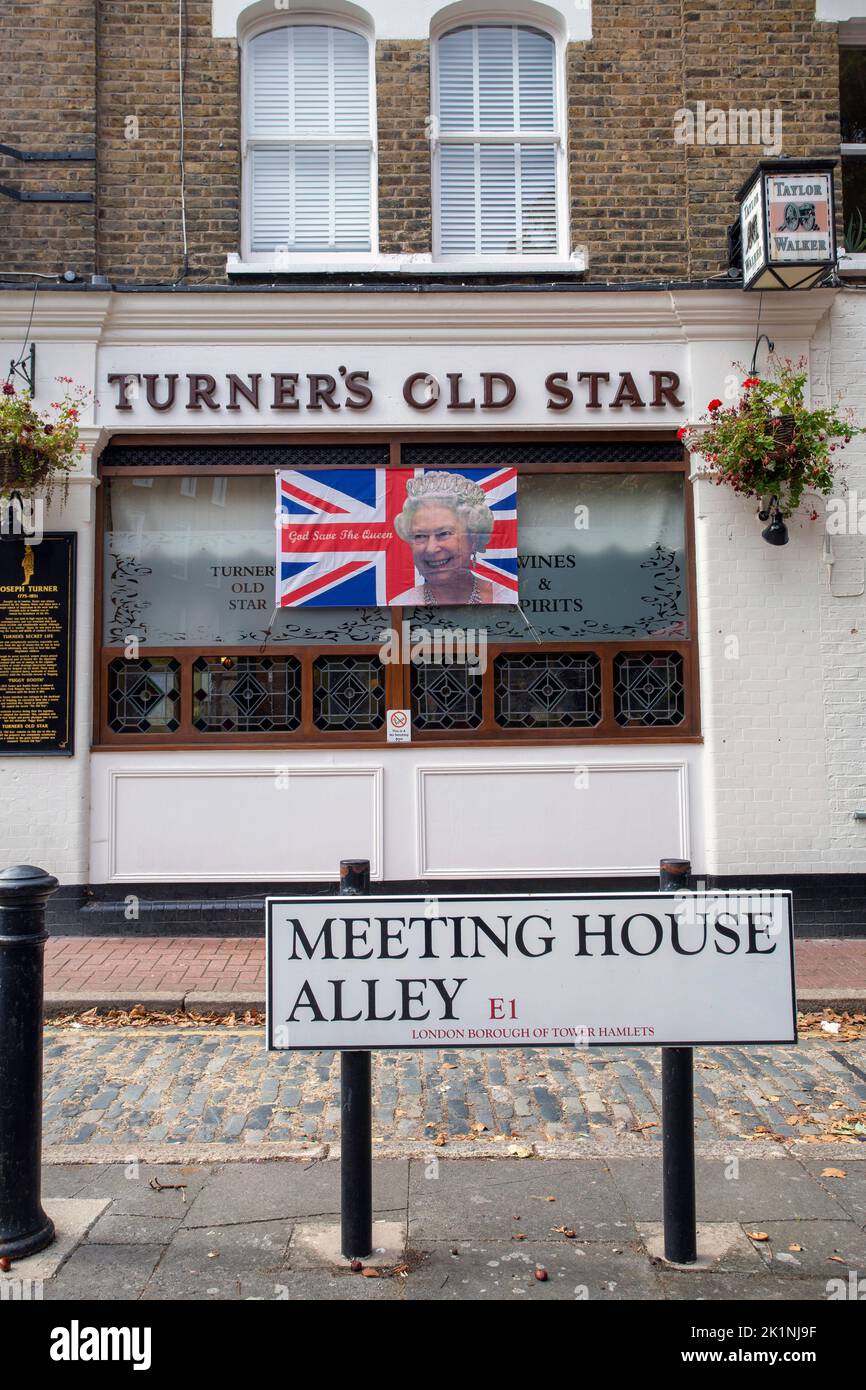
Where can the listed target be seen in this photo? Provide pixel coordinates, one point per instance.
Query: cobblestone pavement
(132, 1088)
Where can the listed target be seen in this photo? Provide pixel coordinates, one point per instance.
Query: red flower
(682, 431)
(751, 381)
(714, 405)
(8, 388)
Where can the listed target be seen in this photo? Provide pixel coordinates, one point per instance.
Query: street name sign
(499, 970)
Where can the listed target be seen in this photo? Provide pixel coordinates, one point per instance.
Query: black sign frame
(64, 744)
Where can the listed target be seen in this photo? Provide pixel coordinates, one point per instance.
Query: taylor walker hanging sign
(362, 537)
(498, 971)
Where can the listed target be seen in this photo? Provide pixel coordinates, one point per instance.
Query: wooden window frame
(397, 676)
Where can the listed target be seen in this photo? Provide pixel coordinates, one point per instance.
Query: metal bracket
(44, 197)
(51, 156)
(25, 368)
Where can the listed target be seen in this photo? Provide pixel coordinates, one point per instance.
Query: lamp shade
(787, 213)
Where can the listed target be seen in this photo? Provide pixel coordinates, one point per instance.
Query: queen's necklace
(474, 597)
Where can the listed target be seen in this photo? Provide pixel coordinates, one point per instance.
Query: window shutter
(310, 89)
(310, 198)
(497, 196)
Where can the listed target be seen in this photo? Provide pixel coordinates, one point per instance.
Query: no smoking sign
(399, 726)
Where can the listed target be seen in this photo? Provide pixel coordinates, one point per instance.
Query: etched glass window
(601, 557)
(190, 562)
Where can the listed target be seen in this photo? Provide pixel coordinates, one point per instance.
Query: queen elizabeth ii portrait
(447, 523)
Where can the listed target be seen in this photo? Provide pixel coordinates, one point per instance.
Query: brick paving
(169, 1086)
(203, 964)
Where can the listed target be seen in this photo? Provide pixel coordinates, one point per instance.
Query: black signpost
(356, 1116)
(37, 644)
(678, 1119)
(758, 1001)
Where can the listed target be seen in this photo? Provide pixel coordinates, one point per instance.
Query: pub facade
(341, 245)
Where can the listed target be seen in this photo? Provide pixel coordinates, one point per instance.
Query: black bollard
(356, 1116)
(24, 1227)
(678, 1120)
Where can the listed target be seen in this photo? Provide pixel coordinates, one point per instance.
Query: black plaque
(37, 652)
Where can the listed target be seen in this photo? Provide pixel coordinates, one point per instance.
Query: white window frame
(287, 261)
(561, 258)
(851, 35)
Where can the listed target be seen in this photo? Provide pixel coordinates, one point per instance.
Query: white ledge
(852, 263)
(415, 265)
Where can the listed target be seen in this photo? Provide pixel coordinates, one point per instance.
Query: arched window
(499, 144)
(308, 141)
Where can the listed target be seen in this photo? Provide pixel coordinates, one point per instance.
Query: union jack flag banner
(370, 537)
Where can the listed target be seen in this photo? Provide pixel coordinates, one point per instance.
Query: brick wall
(48, 104)
(140, 236)
(403, 106)
(645, 205)
(648, 206)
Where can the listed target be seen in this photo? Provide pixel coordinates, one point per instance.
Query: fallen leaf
(833, 1173)
(439, 1141)
(796, 1248)
(838, 1259)
(838, 1105)
(771, 1099)
(535, 1198)
(566, 1231)
(369, 1272)
(449, 1066)
(478, 1127)
(647, 1124)
(757, 1235)
(518, 1235)
(520, 1150)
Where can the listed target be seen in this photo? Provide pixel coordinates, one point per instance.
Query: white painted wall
(397, 19)
(781, 772)
(414, 812)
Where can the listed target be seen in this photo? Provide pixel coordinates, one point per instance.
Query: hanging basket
(783, 434)
(22, 469)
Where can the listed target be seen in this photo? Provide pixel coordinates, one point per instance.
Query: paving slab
(68, 1180)
(576, 1271)
(128, 1184)
(104, 1272)
(850, 1191)
(262, 1191)
(828, 1249)
(133, 1230)
(721, 1245)
(317, 1243)
(494, 1200)
(217, 1257)
(757, 1190)
(72, 1217)
(741, 1288)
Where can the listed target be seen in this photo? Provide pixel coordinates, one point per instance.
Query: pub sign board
(512, 970)
(37, 652)
(787, 211)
